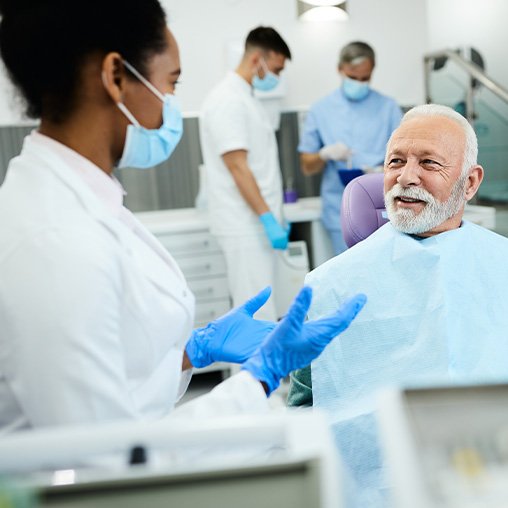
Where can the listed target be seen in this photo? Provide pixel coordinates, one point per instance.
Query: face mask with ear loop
(269, 82)
(145, 148)
(355, 90)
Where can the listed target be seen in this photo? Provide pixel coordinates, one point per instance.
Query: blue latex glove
(293, 344)
(277, 235)
(232, 338)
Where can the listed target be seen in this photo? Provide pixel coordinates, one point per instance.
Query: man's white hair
(436, 110)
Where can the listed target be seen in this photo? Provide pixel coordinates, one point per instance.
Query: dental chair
(363, 208)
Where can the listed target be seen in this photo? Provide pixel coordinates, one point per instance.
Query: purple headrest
(363, 208)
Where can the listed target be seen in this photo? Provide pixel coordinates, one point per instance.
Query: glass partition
(450, 84)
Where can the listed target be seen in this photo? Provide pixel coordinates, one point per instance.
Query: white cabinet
(210, 288)
(207, 311)
(201, 263)
(188, 242)
(199, 257)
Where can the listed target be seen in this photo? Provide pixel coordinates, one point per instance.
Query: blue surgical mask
(355, 90)
(269, 82)
(145, 148)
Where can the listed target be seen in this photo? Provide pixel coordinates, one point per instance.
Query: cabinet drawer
(208, 289)
(208, 311)
(189, 243)
(202, 266)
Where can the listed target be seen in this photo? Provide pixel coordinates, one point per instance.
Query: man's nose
(410, 174)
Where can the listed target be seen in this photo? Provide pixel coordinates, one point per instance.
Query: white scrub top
(94, 313)
(233, 119)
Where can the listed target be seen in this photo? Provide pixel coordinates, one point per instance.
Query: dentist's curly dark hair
(45, 43)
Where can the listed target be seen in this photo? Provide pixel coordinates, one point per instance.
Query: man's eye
(431, 163)
(174, 84)
(394, 162)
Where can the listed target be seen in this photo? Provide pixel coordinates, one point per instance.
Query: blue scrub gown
(364, 126)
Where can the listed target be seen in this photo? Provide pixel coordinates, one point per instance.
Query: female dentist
(95, 316)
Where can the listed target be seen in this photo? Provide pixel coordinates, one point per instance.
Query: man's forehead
(429, 133)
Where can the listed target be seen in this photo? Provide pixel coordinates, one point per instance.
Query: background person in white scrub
(241, 158)
(96, 317)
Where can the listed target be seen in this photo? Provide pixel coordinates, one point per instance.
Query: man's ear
(473, 181)
(113, 76)
(256, 57)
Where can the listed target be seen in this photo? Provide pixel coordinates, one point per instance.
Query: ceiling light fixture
(322, 10)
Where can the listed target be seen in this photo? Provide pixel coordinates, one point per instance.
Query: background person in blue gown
(353, 123)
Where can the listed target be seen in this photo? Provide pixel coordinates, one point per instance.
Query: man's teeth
(408, 200)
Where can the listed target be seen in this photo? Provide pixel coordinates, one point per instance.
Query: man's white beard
(434, 212)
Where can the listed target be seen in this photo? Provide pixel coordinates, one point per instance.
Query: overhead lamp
(322, 10)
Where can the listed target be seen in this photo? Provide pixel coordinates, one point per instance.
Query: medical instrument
(231, 338)
(290, 193)
(447, 447)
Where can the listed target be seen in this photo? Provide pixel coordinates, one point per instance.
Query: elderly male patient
(437, 288)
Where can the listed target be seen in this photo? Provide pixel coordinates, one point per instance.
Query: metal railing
(470, 68)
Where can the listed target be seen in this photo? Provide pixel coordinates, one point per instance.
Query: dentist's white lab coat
(93, 315)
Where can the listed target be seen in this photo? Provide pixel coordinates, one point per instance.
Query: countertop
(185, 220)
(191, 219)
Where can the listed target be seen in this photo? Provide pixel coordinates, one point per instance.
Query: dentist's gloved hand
(293, 344)
(232, 338)
(336, 152)
(277, 235)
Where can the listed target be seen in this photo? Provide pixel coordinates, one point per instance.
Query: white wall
(478, 23)
(10, 109)
(396, 28)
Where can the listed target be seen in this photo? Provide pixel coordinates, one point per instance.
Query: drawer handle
(201, 268)
(196, 246)
(204, 292)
